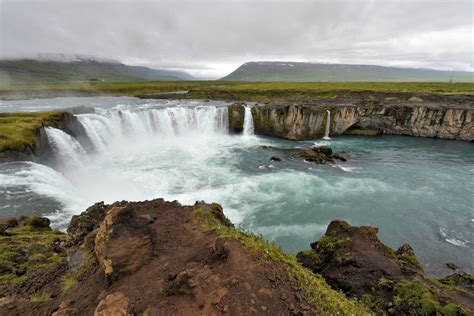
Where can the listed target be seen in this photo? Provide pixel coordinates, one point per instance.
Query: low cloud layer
(211, 38)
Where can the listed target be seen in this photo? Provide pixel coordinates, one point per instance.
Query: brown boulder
(115, 304)
(124, 242)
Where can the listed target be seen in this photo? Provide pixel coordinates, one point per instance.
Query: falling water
(248, 121)
(66, 147)
(328, 125)
(112, 126)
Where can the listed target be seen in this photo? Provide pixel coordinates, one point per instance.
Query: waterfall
(328, 125)
(112, 126)
(248, 121)
(66, 147)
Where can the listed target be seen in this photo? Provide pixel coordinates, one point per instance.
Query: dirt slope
(155, 258)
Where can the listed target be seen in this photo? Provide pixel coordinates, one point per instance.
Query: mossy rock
(38, 222)
(27, 249)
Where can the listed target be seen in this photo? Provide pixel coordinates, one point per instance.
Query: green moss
(317, 291)
(25, 251)
(18, 130)
(415, 298)
(332, 243)
(452, 310)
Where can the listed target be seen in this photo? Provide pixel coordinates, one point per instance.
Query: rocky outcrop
(120, 231)
(355, 261)
(161, 258)
(236, 113)
(40, 150)
(316, 154)
(308, 121)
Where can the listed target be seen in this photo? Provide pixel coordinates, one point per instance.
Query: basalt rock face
(299, 122)
(236, 113)
(354, 260)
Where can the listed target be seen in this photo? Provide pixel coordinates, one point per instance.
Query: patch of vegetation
(415, 99)
(40, 296)
(25, 250)
(18, 130)
(318, 292)
(244, 91)
(70, 279)
(414, 298)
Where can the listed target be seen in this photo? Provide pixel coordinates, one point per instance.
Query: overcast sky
(211, 38)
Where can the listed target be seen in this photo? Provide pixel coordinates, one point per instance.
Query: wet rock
(236, 114)
(275, 158)
(120, 231)
(320, 155)
(115, 304)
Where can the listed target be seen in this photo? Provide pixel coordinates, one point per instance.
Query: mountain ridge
(80, 69)
(329, 72)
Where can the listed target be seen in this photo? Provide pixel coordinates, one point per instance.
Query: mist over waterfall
(113, 126)
(248, 121)
(65, 147)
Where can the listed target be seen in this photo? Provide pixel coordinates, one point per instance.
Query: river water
(418, 191)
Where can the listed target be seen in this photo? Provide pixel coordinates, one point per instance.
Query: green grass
(18, 130)
(27, 249)
(69, 280)
(40, 296)
(228, 90)
(318, 292)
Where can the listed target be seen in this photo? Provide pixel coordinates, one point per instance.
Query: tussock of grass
(18, 130)
(40, 296)
(324, 298)
(70, 279)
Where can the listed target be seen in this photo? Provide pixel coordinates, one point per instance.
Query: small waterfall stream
(248, 121)
(328, 125)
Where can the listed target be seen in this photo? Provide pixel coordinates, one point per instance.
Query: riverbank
(192, 260)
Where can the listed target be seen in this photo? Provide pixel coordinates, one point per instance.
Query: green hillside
(29, 71)
(307, 72)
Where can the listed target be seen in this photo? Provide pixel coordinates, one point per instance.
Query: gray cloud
(211, 38)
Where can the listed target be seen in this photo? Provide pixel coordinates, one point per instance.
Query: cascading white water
(113, 126)
(248, 121)
(66, 147)
(328, 125)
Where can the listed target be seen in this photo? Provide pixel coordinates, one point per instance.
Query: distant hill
(298, 71)
(80, 69)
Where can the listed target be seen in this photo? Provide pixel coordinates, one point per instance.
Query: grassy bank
(326, 300)
(18, 130)
(258, 91)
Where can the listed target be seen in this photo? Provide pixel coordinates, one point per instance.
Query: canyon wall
(300, 122)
